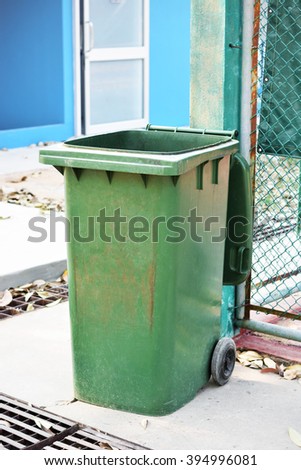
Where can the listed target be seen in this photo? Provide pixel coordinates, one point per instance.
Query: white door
(115, 64)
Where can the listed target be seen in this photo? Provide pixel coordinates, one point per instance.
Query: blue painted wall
(36, 75)
(169, 62)
(36, 82)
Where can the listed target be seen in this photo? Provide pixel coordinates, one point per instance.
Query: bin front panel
(145, 309)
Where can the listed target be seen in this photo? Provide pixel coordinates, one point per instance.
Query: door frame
(77, 83)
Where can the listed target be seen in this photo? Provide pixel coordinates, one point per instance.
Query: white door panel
(116, 64)
(116, 31)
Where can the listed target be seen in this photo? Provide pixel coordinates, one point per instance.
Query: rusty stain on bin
(152, 280)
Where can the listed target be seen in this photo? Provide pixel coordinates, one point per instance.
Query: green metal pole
(233, 64)
(207, 63)
(215, 91)
(216, 43)
(270, 329)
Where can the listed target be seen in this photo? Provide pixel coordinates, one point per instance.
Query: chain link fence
(275, 285)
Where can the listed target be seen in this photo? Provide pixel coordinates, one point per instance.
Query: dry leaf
(281, 369)
(4, 423)
(39, 283)
(20, 180)
(269, 363)
(24, 287)
(256, 364)
(64, 402)
(243, 362)
(269, 369)
(27, 296)
(65, 276)
(249, 356)
(52, 304)
(18, 290)
(290, 374)
(43, 294)
(14, 195)
(105, 445)
(295, 436)
(5, 298)
(54, 283)
(44, 425)
(295, 367)
(144, 423)
(15, 311)
(29, 308)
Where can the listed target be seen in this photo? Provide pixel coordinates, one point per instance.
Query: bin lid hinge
(190, 130)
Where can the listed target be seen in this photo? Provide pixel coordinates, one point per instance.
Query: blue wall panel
(36, 79)
(169, 62)
(36, 82)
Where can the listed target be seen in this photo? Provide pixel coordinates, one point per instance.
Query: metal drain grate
(89, 439)
(21, 302)
(26, 427)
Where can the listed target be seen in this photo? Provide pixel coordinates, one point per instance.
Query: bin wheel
(223, 360)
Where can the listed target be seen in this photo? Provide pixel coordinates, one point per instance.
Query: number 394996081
(221, 459)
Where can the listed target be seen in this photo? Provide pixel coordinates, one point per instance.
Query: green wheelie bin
(147, 210)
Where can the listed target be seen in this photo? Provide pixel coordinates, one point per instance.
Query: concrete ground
(19, 159)
(36, 187)
(253, 411)
(23, 257)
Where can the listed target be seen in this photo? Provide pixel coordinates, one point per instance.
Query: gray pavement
(19, 159)
(21, 260)
(253, 411)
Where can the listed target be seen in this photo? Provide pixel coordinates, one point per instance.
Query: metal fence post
(216, 51)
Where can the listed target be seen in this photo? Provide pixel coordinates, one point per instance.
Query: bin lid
(153, 150)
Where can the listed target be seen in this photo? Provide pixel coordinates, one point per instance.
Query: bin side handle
(240, 260)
